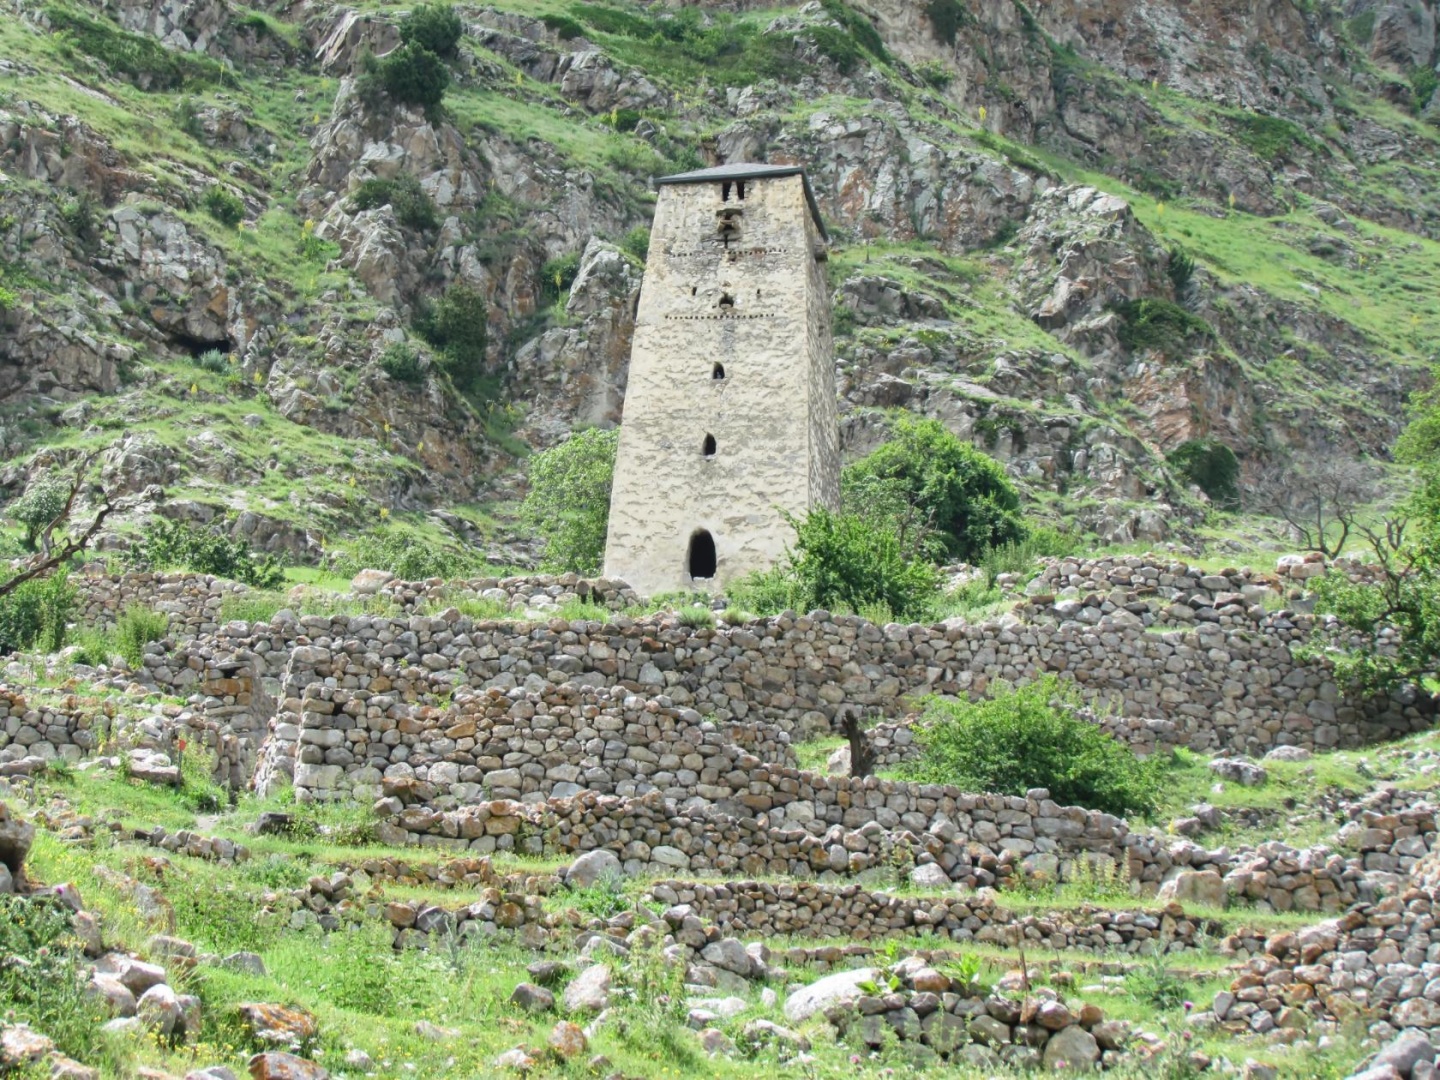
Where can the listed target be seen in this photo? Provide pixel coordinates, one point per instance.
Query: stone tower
(730, 413)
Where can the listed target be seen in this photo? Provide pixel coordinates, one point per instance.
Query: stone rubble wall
(812, 910)
(192, 601)
(1379, 959)
(351, 744)
(533, 593)
(47, 731)
(1240, 691)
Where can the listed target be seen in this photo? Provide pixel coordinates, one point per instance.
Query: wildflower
(384, 511)
(1188, 1005)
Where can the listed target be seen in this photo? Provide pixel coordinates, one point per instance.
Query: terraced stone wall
(1218, 688)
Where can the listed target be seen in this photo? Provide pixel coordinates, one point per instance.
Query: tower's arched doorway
(700, 560)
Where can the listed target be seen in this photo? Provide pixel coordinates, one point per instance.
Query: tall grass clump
(136, 628)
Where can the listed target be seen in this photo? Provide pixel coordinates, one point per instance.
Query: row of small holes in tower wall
(727, 300)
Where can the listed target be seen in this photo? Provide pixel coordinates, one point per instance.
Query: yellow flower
(982, 114)
(309, 225)
(1159, 209)
(194, 389)
(384, 512)
(420, 447)
(387, 427)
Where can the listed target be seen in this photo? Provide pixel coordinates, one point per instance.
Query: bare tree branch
(50, 556)
(1320, 499)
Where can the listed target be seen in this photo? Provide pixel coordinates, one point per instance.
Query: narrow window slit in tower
(739, 189)
(694, 289)
(700, 559)
(725, 191)
(718, 372)
(708, 446)
(727, 302)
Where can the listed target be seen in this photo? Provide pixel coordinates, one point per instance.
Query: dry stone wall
(192, 601)
(1208, 688)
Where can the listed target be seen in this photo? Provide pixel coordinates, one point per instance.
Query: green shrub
(1180, 269)
(414, 75)
(1019, 556)
(934, 74)
(605, 899)
(41, 503)
(457, 324)
(857, 26)
(946, 17)
(1269, 137)
(36, 613)
(926, 480)
(1028, 738)
(1423, 82)
(413, 207)
(637, 243)
(80, 214)
(842, 562)
(135, 628)
(569, 501)
(407, 557)
(213, 361)
(223, 206)
(402, 363)
(1162, 325)
(558, 274)
(566, 28)
(1209, 465)
(165, 543)
(432, 26)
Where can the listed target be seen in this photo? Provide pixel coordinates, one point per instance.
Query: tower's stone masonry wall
(756, 305)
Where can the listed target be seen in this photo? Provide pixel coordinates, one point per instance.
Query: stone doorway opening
(700, 560)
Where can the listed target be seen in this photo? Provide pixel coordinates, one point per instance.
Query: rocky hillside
(1081, 234)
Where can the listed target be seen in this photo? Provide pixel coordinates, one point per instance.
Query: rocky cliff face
(1080, 235)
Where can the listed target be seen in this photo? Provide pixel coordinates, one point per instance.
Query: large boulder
(842, 988)
(592, 867)
(589, 991)
(16, 836)
(1073, 1048)
(1204, 888)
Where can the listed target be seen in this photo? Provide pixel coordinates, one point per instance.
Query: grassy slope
(368, 997)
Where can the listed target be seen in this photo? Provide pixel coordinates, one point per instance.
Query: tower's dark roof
(751, 171)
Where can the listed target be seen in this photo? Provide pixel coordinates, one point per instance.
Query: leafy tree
(569, 500)
(414, 75)
(1406, 596)
(1032, 737)
(44, 499)
(846, 561)
(432, 26)
(1209, 465)
(926, 480)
